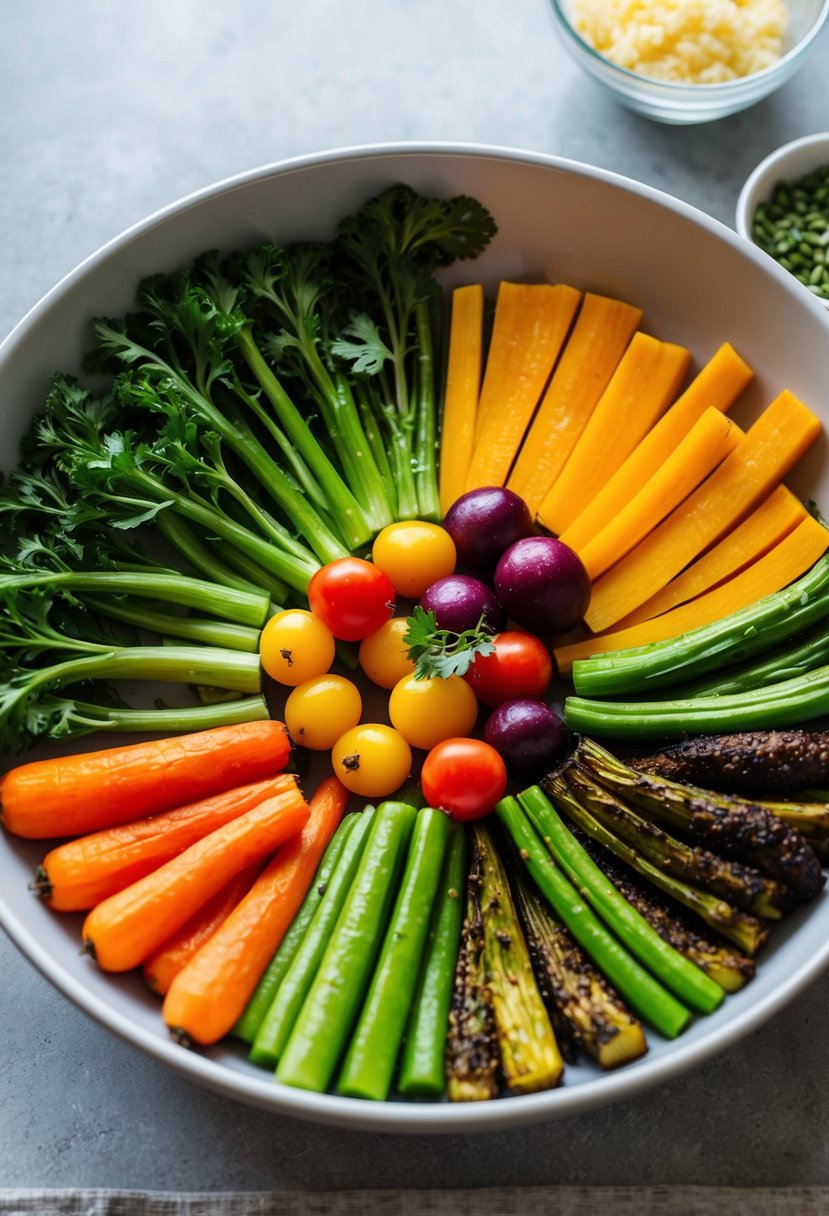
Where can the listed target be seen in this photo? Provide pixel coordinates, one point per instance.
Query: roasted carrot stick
(161, 968)
(70, 795)
(207, 997)
(125, 929)
(80, 873)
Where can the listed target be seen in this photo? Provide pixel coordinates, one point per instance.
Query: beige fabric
(534, 1201)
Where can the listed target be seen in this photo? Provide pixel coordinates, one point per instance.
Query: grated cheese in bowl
(691, 41)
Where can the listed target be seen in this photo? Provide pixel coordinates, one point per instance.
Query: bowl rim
(395, 1116)
(751, 193)
(710, 90)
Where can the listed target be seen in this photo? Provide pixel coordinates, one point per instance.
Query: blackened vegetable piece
(748, 762)
(592, 808)
(585, 1011)
(729, 826)
(727, 966)
(472, 1058)
(530, 1058)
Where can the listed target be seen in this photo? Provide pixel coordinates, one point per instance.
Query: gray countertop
(109, 112)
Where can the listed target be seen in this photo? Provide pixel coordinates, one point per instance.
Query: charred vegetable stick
(684, 979)
(70, 795)
(208, 996)
(645, 995)
(585, 1011)
(530, 1056)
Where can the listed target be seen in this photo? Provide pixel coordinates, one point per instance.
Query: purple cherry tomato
(484, 523)
(529, 735)
(543, 585)
(458, 602)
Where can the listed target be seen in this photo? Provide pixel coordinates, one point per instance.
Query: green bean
(326, 1020)
(422, 1069)
(685, 979)
(372, 1054)
(740, 635)
(635, 985)
(788, 703)
(248, 1025)
(794, 658)
(279, 1019)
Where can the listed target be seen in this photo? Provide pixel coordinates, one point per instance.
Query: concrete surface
(109, 111)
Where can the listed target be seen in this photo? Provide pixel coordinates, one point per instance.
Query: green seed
(816, 276)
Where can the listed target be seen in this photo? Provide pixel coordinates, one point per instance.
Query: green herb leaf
(440, 653)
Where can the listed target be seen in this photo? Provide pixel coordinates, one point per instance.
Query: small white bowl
(678, 103)
(787, 163)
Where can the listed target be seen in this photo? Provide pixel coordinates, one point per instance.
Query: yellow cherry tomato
(384, 655)
(295, 646)
(414, 554)
(428, 711)
(320, 710)
(372, 760)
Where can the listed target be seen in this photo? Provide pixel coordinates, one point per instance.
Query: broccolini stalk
(389, 253)
(744, 887)
(584, 1010)
(732, 826)
(726, 966)
(180, 363)
(585, 803)
(530, 1058)
(29, 711)
(286, 289)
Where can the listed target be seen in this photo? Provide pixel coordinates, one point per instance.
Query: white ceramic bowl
(698, 283)
(787, 163)
(671, 102)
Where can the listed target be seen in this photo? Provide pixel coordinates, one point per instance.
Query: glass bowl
(670, 102)
(787, 163)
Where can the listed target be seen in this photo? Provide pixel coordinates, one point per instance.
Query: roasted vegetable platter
(506, 970)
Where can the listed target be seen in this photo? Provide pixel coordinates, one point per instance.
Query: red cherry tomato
(465, 777)
(520, 666)
(353, 598)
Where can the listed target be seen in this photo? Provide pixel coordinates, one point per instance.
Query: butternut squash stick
(80, 873)
(641, 389)
(534, 322)
(463, 385)
(207, 997)
(161, 968)
(120, 932)
(70, 795)
(779, 437)
(602, 331)
(702, 449)
(793, 556)
(776, 517)
(718, 384)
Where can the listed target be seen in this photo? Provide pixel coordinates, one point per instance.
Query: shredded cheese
(694, 41)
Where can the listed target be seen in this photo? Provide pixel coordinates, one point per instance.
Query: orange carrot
(208, 996)
(70, 795)
(120, 932)
(80, 873)
(463, 384)
(161, 968)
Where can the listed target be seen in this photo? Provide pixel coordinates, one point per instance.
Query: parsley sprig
(440, 653)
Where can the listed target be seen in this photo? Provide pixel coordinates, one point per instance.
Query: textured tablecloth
(534, 1201)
